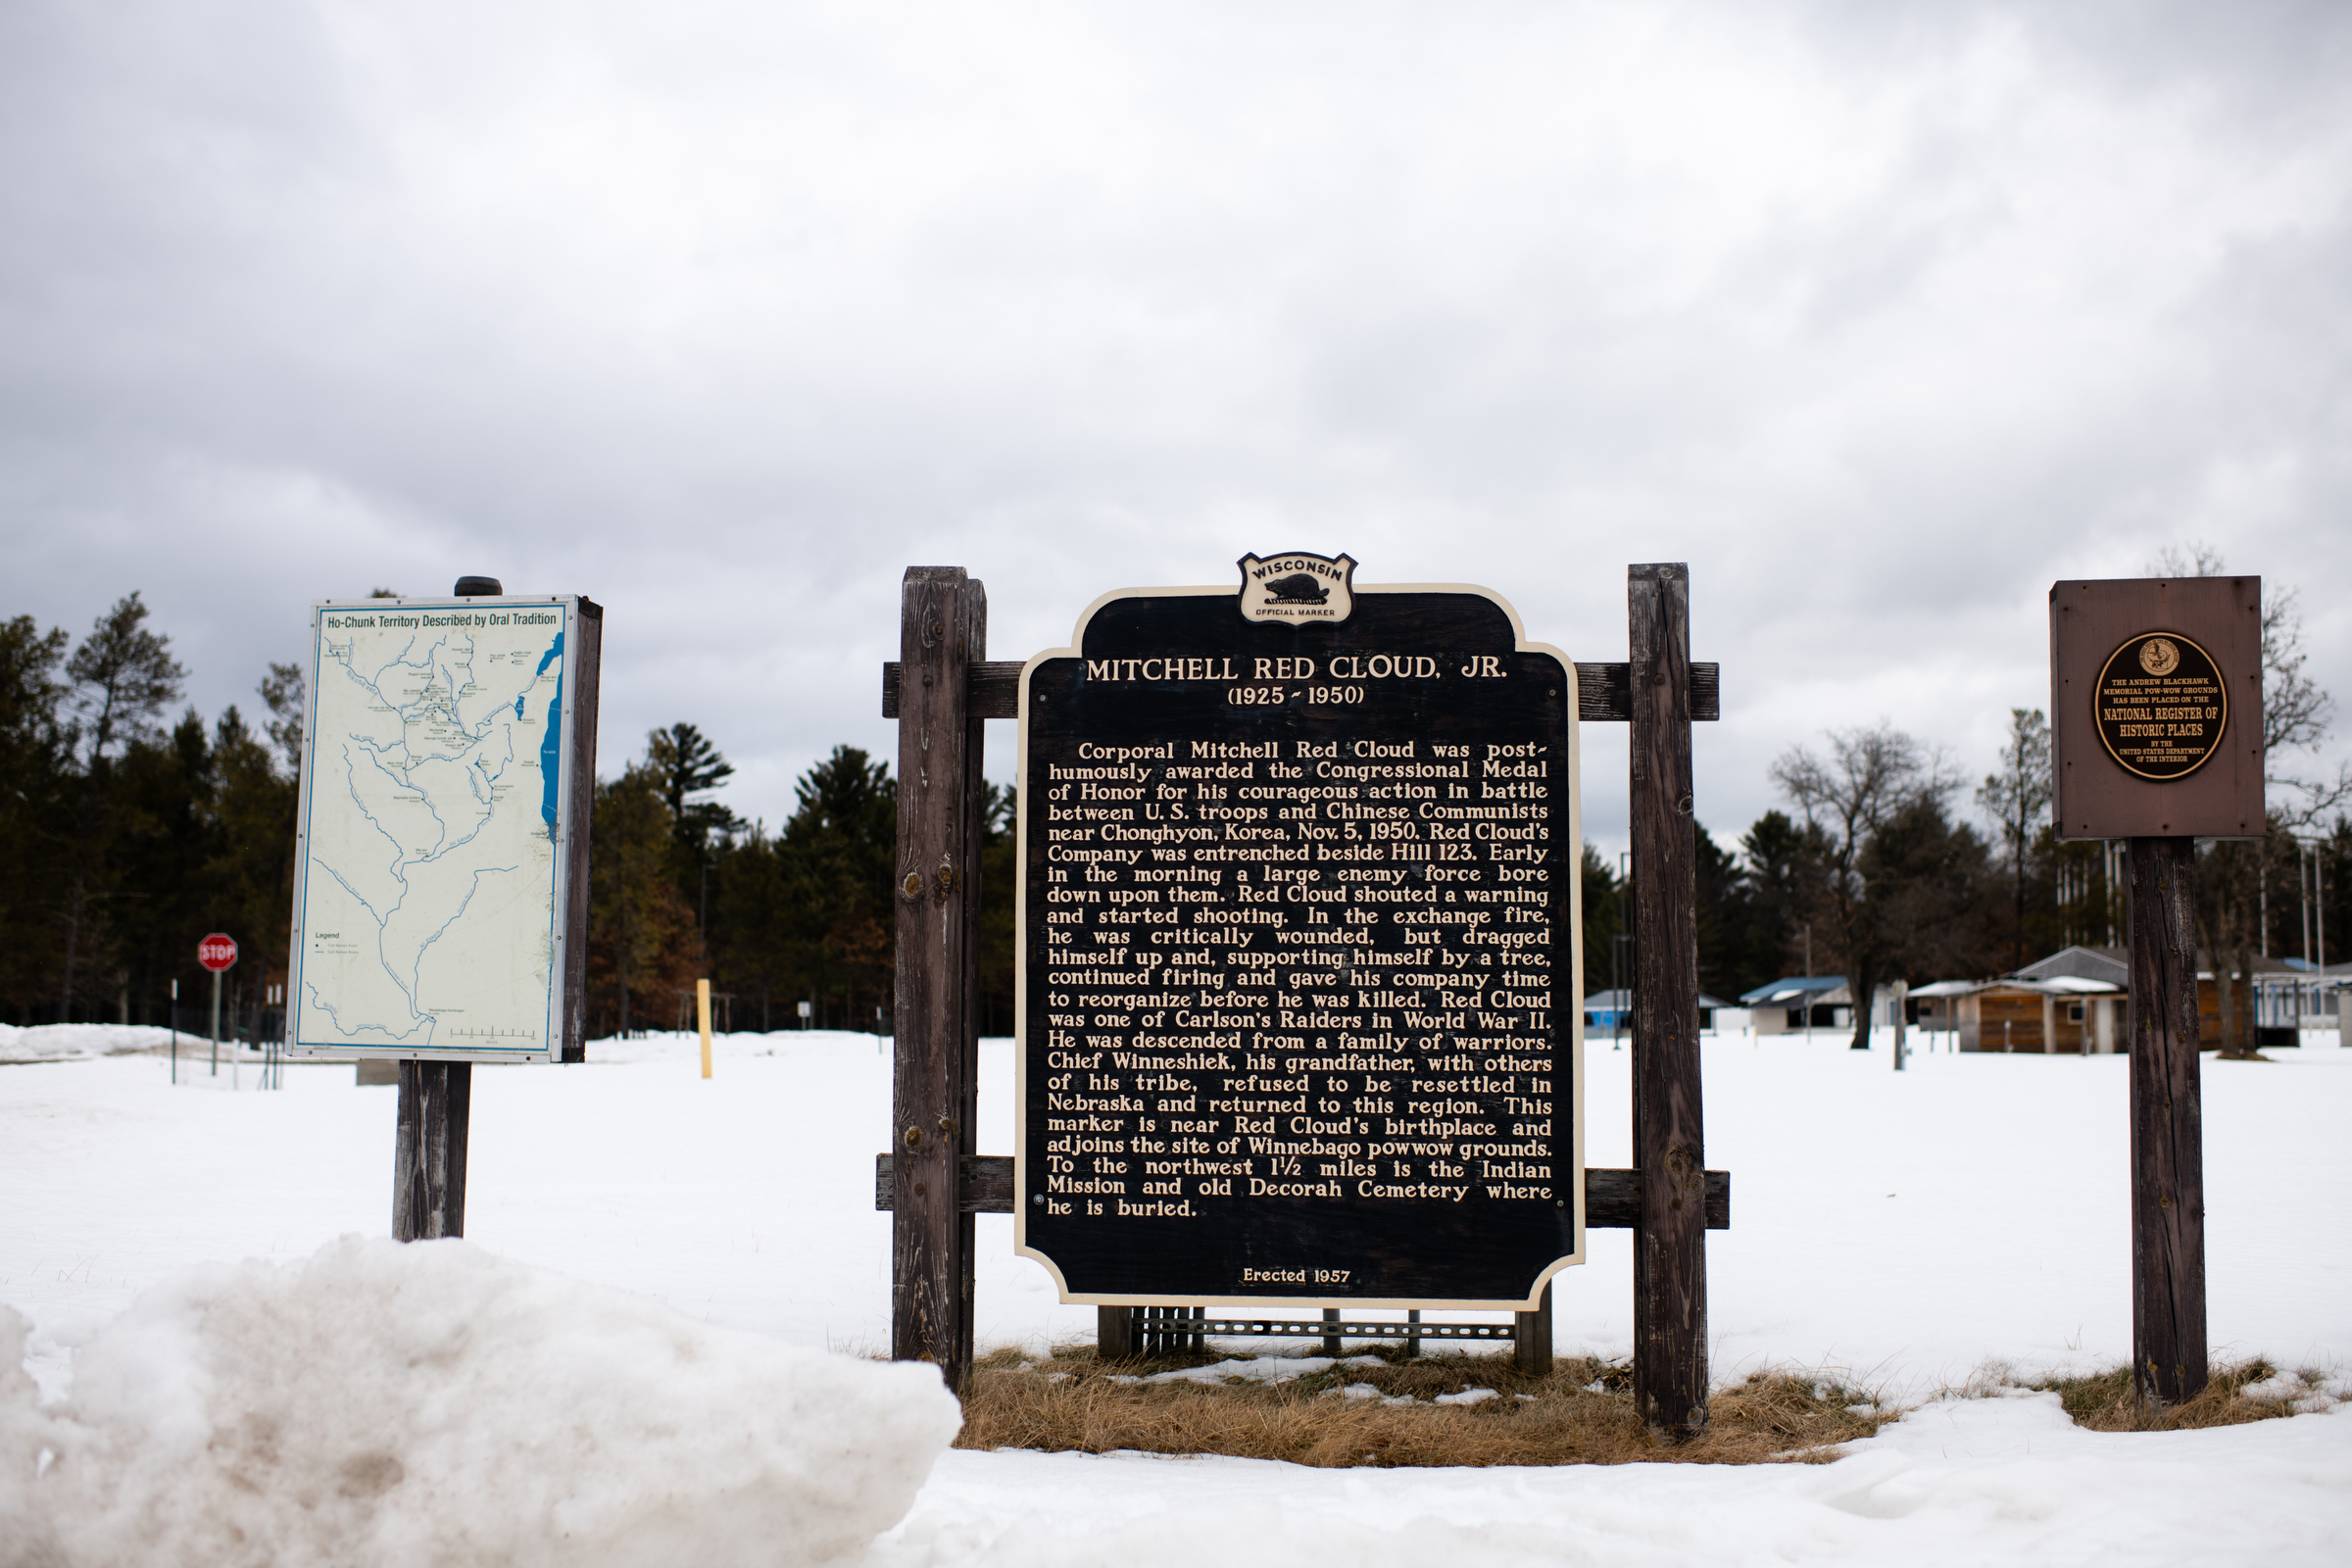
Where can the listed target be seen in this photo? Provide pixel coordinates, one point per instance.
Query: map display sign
(447, 779)
(1300, 958)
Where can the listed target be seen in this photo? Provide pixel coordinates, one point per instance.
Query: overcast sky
(1882, 315)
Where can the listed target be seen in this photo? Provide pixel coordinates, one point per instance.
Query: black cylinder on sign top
(478, 588)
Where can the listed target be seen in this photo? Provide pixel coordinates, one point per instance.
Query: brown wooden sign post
(428, 1150)
(943, 630)
(1670, 1251)
(2168, 1132)
(2156, 732)
(942, 689)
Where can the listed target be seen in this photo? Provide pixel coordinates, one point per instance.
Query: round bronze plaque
(2161, 706)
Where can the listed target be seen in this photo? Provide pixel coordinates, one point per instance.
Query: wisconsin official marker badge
(1298, 589)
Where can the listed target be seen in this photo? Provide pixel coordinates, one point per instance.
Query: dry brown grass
(2106, 1401)
(1582, 1413)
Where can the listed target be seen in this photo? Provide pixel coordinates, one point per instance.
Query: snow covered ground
(1974, 1481)
(1905, 1230)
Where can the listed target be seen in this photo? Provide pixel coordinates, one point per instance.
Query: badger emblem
(1294, 588)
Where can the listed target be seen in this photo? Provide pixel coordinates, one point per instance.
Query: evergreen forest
(131, 824)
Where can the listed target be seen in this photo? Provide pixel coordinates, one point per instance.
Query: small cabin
(2066, 1016)
(1800, 1002)
(1611, 1012)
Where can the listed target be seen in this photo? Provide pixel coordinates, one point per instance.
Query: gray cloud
(1884, 316)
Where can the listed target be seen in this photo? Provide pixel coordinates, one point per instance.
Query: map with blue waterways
(427, 903)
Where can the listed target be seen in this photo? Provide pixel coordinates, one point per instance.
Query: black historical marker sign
(1300, 967)
(2162, 706)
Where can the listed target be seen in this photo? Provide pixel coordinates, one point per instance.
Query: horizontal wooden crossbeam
(1605, 693)
(995, 690)
(1612, 1197)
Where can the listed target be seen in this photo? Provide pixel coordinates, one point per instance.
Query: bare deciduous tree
(2016, 796)
(1870, 778)
(2295, 717)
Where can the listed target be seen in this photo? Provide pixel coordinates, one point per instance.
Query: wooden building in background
(2072, 1002)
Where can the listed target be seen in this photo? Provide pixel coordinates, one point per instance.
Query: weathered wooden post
(943, 629)
(1531, 1338)
(428, 1150)
(1670, 1254)
(2168, 1138)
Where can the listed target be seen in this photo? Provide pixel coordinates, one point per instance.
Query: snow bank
(383, 1404)
(75, 1042)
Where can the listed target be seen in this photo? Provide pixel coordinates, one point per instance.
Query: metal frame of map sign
(358, 986)
(1435, 666)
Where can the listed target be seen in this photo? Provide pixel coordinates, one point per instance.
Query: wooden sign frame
(932, 1182)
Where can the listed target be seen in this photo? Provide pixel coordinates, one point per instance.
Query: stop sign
(216, 952)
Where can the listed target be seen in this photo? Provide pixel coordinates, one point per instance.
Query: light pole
(2313, 887)
(1808, 993)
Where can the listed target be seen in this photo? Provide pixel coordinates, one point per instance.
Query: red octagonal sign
(216, 952)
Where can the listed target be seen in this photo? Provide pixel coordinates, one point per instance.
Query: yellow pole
(701, 1019)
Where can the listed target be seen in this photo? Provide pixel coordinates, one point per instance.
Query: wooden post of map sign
(943, 629)
(441, 857)
(428, 1150)
(2156, 737)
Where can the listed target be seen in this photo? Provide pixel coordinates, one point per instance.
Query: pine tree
(35, 809)
(122, 677)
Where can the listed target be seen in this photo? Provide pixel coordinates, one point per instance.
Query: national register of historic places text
(1300, 964)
